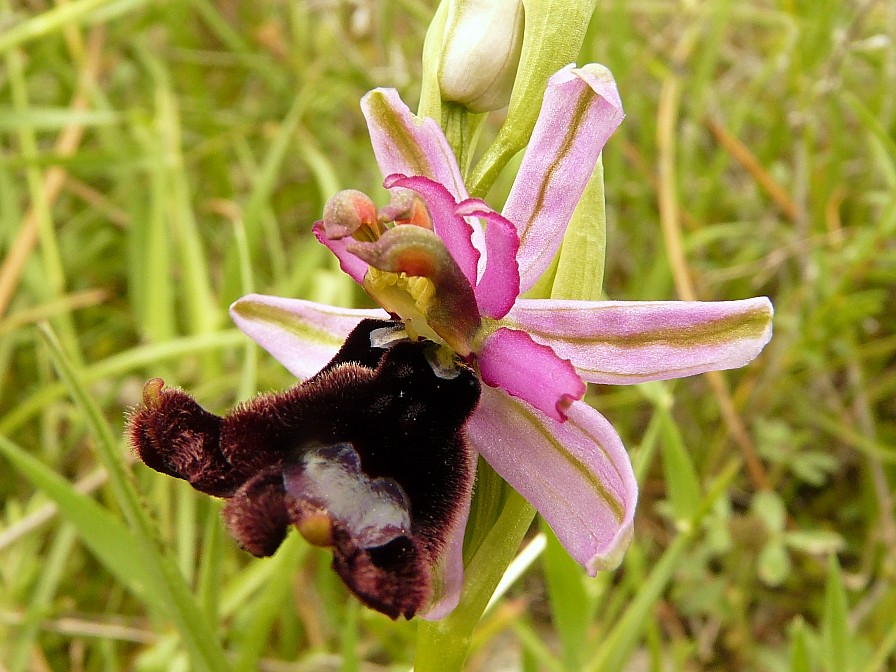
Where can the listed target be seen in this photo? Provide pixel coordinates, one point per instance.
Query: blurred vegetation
(158, 160)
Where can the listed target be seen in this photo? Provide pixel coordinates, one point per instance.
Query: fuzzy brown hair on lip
(397, 427)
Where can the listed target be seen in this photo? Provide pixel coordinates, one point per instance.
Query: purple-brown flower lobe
(368, 457)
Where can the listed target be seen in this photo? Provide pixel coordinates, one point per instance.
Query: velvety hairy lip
(367, 457)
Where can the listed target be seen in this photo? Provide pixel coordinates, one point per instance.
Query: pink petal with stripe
(581, 109)
(406, 144)
(622, 342)
(576, 473)
(302, 335)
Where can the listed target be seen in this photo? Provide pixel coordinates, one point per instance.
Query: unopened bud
(481, 52)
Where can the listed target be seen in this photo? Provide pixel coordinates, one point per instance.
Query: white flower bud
(481, 52)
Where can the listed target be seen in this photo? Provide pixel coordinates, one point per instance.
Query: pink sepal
(576, 473)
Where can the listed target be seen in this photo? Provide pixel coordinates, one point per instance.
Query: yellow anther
(419, 289)
(422, 290)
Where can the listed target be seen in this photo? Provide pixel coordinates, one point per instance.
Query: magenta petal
(301, 335)
(581, 109)
(500, 282)
(348, 262)
(511, 360)
(404, 143)
(576, 473)
(622, 342)
(456, 232)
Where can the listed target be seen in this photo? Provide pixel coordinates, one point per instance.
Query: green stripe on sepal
(577, 270)
(283, 319)
(399, 134)
(580, 259)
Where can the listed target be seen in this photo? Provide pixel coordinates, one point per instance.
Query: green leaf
(349, 636)
(617, 644)
(799, 650)
(53, 118)
(769, 508)
(571, 606)
(150, 273)
(187, 243)
(835, 630)
(489, 497)
(116, 365)
(268, 177)
(878, 660)
(580, 266)
(534, 645)
(815, 542)
(682, 483)
(773, 564)
(266, 607)
(43, 24)
(53, 563)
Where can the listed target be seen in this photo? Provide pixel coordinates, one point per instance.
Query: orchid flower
(445, 279)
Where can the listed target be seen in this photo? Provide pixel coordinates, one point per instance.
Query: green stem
(454, 123)
(442, 645)
(490, 166)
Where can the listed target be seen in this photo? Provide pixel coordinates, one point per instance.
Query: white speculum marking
(374, 510)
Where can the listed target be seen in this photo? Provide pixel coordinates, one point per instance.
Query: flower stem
(442, 646)
(455, 122)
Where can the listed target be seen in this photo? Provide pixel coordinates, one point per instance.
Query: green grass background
(160, 159)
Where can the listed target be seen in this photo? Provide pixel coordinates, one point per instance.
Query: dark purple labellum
(367, 457)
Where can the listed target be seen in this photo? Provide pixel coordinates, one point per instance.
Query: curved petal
(576, 473)
(511, 360)
(404, 143)
(500, 282)
(301, 335)
(581, 109)
(348, 262)
(456, 232)
(621, 342)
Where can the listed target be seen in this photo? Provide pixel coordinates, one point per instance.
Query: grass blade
(682, 483)
(162, 572)
(835, 630)
(105, 535)
(622, 639)
(571, 606)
